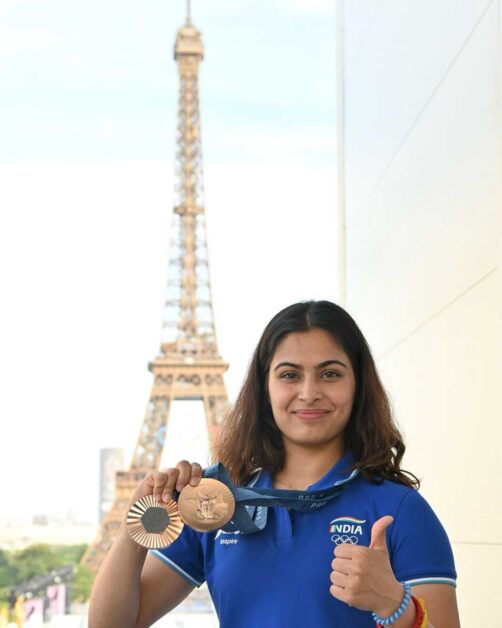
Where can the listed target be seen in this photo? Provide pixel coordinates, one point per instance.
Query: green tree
(82, 584)
(70, 554)
(23, 565)
(6, 569)
(34, 561)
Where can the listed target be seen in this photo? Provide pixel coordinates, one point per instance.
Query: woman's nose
(309, 391)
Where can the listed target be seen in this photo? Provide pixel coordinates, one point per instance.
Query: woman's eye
(331, 374)
(288, 376)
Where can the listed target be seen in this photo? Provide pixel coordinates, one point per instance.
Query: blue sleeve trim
(176, 568)
(432, 580)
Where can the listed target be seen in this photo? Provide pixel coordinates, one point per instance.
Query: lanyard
(251, 504)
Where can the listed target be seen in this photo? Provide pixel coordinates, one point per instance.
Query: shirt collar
(339, 473)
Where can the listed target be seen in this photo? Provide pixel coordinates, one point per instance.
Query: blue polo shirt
(280, 576)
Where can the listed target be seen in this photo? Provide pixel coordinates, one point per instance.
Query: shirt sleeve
(419, 546)
(184, 556)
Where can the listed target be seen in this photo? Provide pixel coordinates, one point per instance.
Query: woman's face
(311, 385)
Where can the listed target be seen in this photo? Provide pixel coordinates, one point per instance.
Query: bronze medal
(207, 506)
(154, 524)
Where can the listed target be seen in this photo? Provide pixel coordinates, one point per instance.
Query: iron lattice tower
(188, 365)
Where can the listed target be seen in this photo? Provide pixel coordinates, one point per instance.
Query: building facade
(111, 460)
(420, 201)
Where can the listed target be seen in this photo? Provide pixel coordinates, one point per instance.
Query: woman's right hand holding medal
(152, 522)
(153, 519)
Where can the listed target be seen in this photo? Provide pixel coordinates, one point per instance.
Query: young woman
(312, 414)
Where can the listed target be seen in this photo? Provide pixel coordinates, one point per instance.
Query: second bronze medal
(208, 506)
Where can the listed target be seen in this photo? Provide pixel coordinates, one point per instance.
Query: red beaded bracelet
(421, 619)
(421, 613)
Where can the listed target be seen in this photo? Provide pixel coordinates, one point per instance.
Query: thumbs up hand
(362, 576)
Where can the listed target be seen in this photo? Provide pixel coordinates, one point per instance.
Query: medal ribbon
(251, 504)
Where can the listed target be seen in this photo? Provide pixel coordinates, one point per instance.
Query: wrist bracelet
(421, 618)
(386, 621)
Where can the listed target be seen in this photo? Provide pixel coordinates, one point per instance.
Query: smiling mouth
(310, 414)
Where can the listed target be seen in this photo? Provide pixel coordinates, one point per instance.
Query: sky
(88, 102)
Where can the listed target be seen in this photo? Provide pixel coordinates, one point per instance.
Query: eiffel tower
(188, 366)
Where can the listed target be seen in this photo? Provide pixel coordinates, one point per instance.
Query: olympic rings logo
(344, 538)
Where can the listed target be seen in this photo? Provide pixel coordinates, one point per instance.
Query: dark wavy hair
(249, 437)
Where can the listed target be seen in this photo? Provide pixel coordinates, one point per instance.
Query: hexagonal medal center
(155, 519)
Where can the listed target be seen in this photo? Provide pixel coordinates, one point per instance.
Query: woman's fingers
(178, 477)
(189, 474)
(160, 479)
(169, 484)
(185, 472)
(196, 474)
(161, 484)
(342, 565)
(338, 579)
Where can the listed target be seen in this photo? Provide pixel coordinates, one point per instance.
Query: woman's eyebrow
(291, 364)
(319, 366)
(328, 362)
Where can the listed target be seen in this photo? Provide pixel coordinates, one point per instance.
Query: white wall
(423, 261)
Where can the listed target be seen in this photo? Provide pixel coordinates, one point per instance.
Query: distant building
(110, 461)
(20, 533)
